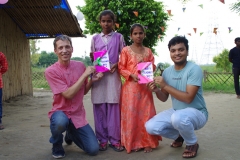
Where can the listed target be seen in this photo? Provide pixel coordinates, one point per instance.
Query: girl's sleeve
(151, 59)
(122, 64)
(92, 49)
(121, 43)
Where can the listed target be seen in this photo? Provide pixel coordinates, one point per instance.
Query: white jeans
(171, 124)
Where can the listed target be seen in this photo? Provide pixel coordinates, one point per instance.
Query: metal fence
(38, 80)
(219, 78)
(213, 78)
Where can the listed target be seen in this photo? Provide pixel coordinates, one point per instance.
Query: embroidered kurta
(137, 105)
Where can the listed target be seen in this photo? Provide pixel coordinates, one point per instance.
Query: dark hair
(63, 38)
(177, 40)
(136, 25)
(237, 39)
(107, 12)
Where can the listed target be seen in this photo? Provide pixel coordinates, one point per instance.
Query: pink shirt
(60, 78)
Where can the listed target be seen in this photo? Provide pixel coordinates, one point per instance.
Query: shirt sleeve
(92, 48)
(230, 54)
(195, 76)
(55, 81)
(3, 63)
(122, 64)
(122, 43)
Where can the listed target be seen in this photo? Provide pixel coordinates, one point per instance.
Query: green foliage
(236, 7)
(47, 59)
(210, 68)
(35, 59)
(151, 14)
(33, 46)
(86, 60)
(222, 61)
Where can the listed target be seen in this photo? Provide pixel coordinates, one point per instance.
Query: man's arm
(230, 56)
(71, 91)
(186, 97)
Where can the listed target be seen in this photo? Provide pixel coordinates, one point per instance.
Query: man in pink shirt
(68, 81)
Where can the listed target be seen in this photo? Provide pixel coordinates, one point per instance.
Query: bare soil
(26, 134)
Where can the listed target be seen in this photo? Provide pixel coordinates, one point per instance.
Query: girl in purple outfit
(105, 93)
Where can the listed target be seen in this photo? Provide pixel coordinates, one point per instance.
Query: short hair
(237, 39)
(136, 25)
(177, 40)
(63, 38)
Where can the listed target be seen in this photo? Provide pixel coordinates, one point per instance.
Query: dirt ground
(26, 132)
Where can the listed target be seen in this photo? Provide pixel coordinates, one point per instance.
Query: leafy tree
(77, 59)
(47, 59)
(35, 59)
(222, 61)
(33, 46)
(149, 13)
(86, 60)
(236, 7)
(184, 1)
(160, 68)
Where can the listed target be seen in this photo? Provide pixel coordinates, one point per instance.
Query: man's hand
(97, 76)
(160, 81)
(152, 86)
(89, 70)
(134, 77)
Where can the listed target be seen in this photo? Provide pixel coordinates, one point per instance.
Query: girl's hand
(97, 76)
(113, 68)
(91, 56)
(134, 77)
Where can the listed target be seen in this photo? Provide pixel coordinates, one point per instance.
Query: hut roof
(43, 18)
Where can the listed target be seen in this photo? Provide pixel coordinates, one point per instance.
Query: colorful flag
(135, 13)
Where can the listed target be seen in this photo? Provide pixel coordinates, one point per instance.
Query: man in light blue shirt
(183, 81)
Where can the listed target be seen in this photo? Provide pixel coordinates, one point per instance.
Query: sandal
(178, 142)
(103, 146)
(190, 151)
(1, 127)
(117, 147)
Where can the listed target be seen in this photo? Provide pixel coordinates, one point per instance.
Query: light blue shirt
(191, 74)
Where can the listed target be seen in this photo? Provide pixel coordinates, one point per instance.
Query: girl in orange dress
(137, 105)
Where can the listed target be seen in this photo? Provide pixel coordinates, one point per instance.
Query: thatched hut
(30, 19)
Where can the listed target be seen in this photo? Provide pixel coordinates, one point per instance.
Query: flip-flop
(116, 147)
(103, 146)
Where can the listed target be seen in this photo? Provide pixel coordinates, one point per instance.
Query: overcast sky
(202, 48)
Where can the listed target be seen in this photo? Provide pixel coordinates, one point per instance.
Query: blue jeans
(171, 124)
(83, 137)
(0, 105)
(236, 74)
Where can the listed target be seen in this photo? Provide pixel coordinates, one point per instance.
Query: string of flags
(170, 14)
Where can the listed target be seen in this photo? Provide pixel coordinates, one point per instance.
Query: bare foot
(137, 150)
(147, 149)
